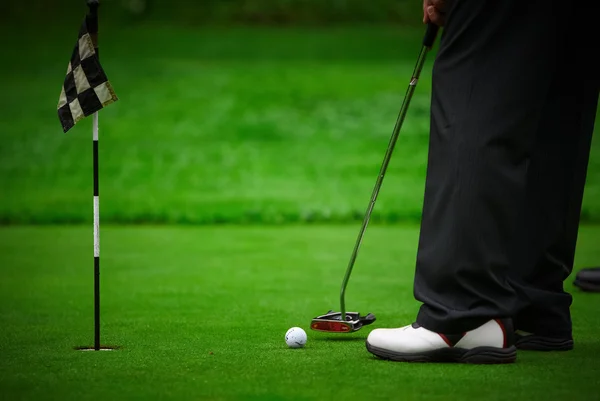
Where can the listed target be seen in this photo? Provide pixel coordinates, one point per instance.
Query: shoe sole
(539, 343)
(587, 285)
(479, 355)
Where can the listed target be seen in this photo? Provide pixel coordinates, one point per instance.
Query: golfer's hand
(434, 11)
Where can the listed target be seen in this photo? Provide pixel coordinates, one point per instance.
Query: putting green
(201, 313)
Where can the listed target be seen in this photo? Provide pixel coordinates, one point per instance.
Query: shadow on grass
(102, 348)
(583, 351)
(341, 339)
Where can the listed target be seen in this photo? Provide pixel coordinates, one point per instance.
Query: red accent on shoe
(445, 339)
(503, 331)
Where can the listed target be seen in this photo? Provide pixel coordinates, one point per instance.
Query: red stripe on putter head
(331, 326)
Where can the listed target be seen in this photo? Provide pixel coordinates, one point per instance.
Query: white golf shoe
(490, 343)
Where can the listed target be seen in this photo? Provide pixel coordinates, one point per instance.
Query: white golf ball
(295, 337)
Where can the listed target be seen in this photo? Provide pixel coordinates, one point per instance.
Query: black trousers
(514, 99)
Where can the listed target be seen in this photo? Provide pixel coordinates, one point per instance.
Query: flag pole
(93, 24)
(96, 237)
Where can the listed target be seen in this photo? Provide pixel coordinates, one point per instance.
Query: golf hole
(104, 348)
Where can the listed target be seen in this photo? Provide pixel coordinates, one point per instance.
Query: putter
(348, 322)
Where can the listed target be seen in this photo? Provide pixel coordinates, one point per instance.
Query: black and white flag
(86, 88)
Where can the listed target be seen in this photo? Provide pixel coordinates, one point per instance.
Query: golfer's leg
(490, 80)
(556, 180)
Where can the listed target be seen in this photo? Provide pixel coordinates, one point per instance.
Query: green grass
(221, 125)
(200, 313)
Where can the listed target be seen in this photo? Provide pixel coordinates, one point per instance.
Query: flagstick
(97, 97)
(93, 6)
(96, 237)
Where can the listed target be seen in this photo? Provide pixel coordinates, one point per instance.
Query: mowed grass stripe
(218, 125)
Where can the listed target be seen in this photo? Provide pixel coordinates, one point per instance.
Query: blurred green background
(231, 111)
(280, 12)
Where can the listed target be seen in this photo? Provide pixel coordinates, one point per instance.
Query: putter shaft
(427, 44)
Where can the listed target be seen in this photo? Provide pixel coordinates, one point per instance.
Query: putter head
(332, 322)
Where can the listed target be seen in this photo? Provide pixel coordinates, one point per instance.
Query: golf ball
(295, 337)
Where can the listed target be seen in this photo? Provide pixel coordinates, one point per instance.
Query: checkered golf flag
(86, 88)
